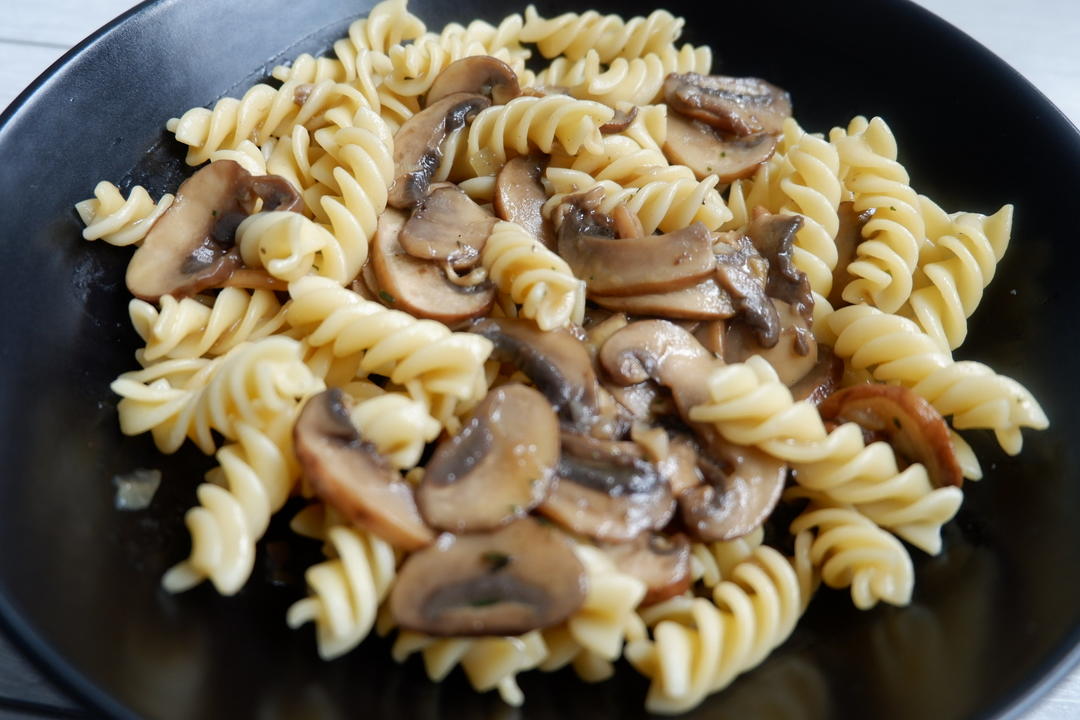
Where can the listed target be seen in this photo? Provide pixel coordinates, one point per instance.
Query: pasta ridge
(574, 35)
(117, 220)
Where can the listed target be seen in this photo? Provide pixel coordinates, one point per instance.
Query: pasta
(534, 277)
(376, 317)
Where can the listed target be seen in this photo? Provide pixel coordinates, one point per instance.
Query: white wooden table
(1040, 38)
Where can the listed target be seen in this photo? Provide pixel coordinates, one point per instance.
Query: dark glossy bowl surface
(994, 618)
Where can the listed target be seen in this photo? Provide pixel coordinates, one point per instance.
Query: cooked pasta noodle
(117, 220)
(573, 35)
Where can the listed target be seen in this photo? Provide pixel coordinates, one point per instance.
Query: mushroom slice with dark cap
(556, 361)
(419, 286)
(707, 152)
(624, 117)
(520, 578)
(662, 563)
(742, 106)
(497, 468)
(520, 197)
(635, 266)
(743, 273)
(607, 490)
(447, 226)
(848, 237)
(774, 238)
(477, 75)
(349, 474)
(793, 356)
(190, 247)
(741, 487)
(822, 380)
(704, 301)
(903, 419)
(418, 144)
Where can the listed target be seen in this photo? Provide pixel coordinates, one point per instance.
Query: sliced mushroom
(523, 577)
(447, 226)
(704, 301)
(680, 467)
(418, 144)
(607, 490)
(662, 563)
(622, 119)
(420, 287)
(497, 468)
(636, 266)
(190, 247)
(741, 487)
(848, 237)
(743, 273)
(349, 474)
(707, 152)
(476, 75)
(556, 362)
(742, 106)
(793, 356)
(520, 197)
(774, 238)
(903, 419)
(822, 380)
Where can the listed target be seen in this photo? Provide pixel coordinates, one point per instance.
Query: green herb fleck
(896, 423)
(496, 560)
(387, 297)
(483, 602)
(723, 153)
(893, 208)
(213, 213)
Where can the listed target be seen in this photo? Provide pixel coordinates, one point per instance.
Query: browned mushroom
(556, 362)
(476, 75)
(523, 577)
(447, 226)
(903, 419)
(741, 487)
(742, 106)
(190, 247)
(848, 237)
(704, 301)
(662, 563)
(622, 119)
(822, 380)
(774, 238)
(520, 197)
(634, 266)
(707, 152)
(627, 223)
(349, 474)
(743, 273)
(418, 144)
(418, 286)
(497, 468)
(637, 266)
(793, 356)
(607, 490)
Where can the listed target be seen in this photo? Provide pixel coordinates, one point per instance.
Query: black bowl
(995, 618)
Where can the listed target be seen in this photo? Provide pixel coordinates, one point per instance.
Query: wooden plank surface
(1040, 38)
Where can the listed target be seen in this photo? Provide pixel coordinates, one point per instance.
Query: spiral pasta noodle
(189, 328)
(712, 562)
(259, 474)
(534, 277)
(754, 612)
(889, 253)
(573, 35)
(666, 201)
(501, 131)
(421, 355)
(851, 551)
(637, 80)
(969, 251)
(894, 349)
(257, 383)
(117, 220)
(621, 160)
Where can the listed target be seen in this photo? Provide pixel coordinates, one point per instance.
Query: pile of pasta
(231, 367)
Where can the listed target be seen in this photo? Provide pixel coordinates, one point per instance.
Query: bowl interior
(992, 615)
